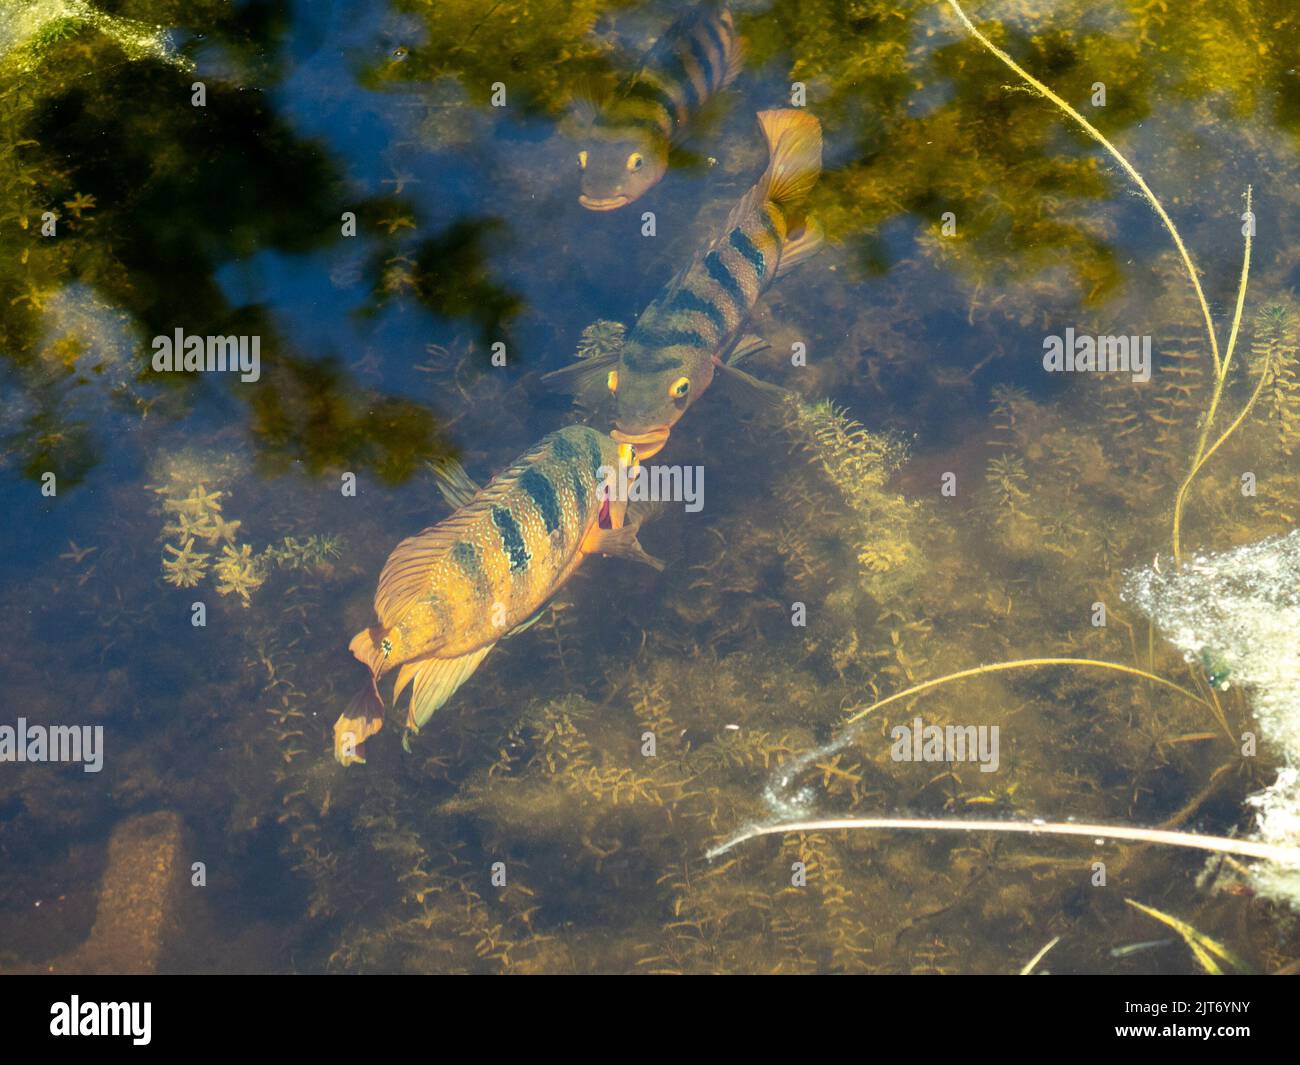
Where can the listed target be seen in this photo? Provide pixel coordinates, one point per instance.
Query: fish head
(618, 168)
(650, 396)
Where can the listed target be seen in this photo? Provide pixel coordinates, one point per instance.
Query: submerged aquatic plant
(1275, 351)
(238, 572)
(187, 566)
(1222, 360)
(858, 463)
(1279, 845)
(602, 338)
(195, 513)
(1007, 478)
(315, 552)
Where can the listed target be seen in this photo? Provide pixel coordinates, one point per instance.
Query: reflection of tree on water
(449, 275)
(151, 196)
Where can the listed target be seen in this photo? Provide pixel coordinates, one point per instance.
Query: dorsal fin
(456, 486)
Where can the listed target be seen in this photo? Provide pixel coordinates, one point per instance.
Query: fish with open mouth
(624, 148)
(449, 593)
(692, 329)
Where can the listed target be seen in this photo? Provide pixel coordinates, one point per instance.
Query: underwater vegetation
(643, 721)
(194, 512)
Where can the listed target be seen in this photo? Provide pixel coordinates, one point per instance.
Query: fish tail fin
(436, 681)
(794, 141)
(361, 719)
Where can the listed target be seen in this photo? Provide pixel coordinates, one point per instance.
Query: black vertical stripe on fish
(686, 300)
(511, 539)
(712, 28)
(648, 91)
(649, 358)
(568, 455)
(681, 76)
(542, 493)
(746, 248)
(718, 271)
(702, 58)
(627, 118)
(564, 451)
(468, 560)
(673, 337)
(579, 491)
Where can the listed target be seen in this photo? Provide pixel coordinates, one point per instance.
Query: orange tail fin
(363, 717)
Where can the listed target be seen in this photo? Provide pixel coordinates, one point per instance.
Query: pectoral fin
(587, 379)
(804, 246)
(523, 626)
(621, 542)
(435, 680)
(749, 388)
(745, 347)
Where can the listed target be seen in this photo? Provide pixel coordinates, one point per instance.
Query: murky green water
(937, 501)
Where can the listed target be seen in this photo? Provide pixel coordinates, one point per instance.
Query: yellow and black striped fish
(670, 356)
(625, 149)
(448, 594)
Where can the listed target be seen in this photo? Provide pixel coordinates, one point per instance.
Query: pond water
(382, 198)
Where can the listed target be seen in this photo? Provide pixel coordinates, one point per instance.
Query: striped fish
(679, 342)
(625, 149)
(448, 594)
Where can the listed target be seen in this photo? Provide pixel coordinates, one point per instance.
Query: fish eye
(400, 54)
(582, 160)
(634, 161)
(611, 382)
(679, 387)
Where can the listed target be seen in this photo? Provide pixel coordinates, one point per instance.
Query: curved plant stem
(1223, 361)
(1025, 663)
(1115, 154)
(1194, 840)
(1220, 379)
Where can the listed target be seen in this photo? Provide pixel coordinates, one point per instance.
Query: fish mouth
(608, 203)
(647, 444)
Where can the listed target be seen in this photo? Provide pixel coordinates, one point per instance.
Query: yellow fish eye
(679, 387)
(611, 382)
(634, 161)
(582, 160)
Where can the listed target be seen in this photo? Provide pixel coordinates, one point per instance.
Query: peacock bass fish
(624, 149)
(449, 593)
(672, 353)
